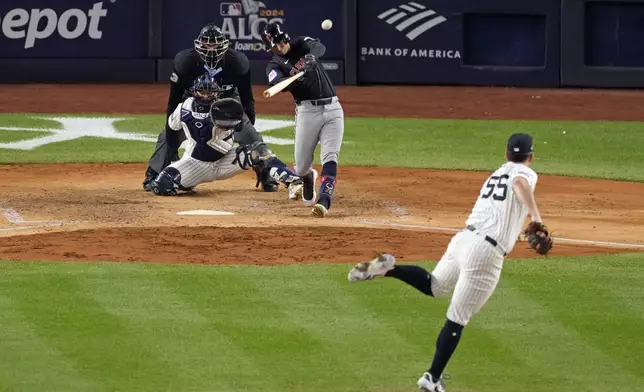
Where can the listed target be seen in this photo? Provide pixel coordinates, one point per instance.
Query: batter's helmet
(211, 44)
(273, 35)
(205, 90)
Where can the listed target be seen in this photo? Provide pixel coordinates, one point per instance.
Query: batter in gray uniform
(318, 114)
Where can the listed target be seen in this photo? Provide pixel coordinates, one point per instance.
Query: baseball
(327, 24)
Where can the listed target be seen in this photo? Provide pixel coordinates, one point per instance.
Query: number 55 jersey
(498, 212)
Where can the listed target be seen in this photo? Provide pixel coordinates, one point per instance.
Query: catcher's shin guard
(150, 175)
(264, 177)
(168, 183)
(268, 168)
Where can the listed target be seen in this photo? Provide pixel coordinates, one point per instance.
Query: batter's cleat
(309, 195)
(319, 211)
(295, 190)
(150, 175)
(427, 384)
(367, 270)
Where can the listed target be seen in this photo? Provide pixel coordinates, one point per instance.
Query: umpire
(231, 70)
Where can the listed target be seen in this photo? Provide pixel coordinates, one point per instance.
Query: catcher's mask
(273, 35)
(227, 113)
(211, 44)
(205, 91)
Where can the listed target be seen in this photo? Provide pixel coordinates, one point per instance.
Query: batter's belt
(489, 239)
(318, 102)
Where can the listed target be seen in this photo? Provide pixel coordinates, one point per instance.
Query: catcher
(472, 263)
(231, 69)
(211, 126)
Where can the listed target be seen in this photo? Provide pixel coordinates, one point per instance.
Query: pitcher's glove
(538, 237)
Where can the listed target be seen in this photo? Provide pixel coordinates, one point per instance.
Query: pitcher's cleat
(367, 270)
(427, 384)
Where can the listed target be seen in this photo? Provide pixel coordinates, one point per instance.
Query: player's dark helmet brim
(273, 35)
(211, 44)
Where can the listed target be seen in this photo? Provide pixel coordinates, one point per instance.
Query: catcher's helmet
(211, 44)
(273, 35)
(205, 90)
(227, 112)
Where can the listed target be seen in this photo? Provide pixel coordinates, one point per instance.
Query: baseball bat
(281, 85)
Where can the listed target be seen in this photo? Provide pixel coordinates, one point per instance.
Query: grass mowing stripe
(28, 362)
(226, 307)
(553, 354)
(98, 343)
(354, 337)
(14, 136)
(291, 328)
(287, 350)
(167, 325)
(601, 320)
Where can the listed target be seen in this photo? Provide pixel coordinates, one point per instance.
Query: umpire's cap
(227, 112)
(520, 144)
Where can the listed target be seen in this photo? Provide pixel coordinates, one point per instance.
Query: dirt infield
(68, 212)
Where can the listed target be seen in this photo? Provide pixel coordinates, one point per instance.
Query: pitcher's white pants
(471, 267)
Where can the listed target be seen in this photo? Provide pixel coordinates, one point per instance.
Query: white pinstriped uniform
(193, 171)
(471, 266)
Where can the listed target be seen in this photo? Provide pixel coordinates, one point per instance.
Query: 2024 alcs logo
(36, 24)
(243, 23)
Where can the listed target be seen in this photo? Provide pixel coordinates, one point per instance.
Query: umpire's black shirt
(316, 83)
(232, 75)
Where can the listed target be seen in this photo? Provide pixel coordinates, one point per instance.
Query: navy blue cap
(520, 143)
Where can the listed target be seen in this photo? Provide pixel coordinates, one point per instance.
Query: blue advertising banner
(243, 21)
(73, 28)
(407, 42)
(458, 42)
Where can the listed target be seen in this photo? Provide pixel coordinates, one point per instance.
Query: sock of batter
(328, 181)
(445, 346)
(413, 275)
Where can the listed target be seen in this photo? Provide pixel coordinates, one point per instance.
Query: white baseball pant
(195, 172)
(471, 267)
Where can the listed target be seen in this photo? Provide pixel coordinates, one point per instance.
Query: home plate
(204, 212)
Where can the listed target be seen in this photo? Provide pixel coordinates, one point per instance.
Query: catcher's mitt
(538, 237)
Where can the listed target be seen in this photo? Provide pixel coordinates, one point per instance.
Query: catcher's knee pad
(167, 183)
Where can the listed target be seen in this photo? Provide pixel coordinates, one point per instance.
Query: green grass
(589, 149)
(570, 324)
(14, 136)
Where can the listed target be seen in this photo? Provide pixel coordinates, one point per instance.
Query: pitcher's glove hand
(538, 237)
(309, 62)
